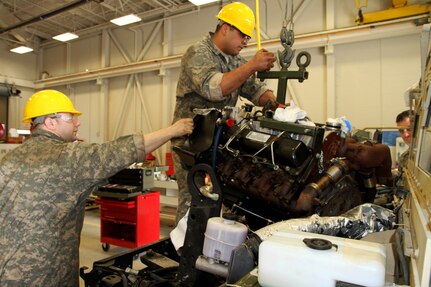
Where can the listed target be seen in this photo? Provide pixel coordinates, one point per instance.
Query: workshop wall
(358, 73)
(19, 70)
(372, 76)
(15, 66)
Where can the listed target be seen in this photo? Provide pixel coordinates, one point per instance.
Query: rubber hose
(402, 259)
(216, 141)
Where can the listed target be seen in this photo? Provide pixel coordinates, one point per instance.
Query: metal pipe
(46, 15)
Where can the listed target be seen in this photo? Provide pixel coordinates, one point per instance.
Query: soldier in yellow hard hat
(214, 75)
(239, 16)
(44, 184)
(55, 105)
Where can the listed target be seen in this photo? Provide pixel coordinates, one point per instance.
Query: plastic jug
(222, 235)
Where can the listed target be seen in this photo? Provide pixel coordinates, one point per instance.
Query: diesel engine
(272, 170)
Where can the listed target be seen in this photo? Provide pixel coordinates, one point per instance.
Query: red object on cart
(170, 164)
(130, 223)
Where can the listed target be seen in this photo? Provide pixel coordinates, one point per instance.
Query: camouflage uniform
(202, 68)
(402, 161)
(43, 187)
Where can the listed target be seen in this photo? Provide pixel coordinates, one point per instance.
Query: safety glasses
(244, 36)
(69, 118)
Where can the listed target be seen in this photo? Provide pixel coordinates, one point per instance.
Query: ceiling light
(128, 19)
(21, 50)
(65, 37)
(202, 2)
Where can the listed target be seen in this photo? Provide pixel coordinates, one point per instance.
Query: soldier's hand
(182, 127)
(263, 60)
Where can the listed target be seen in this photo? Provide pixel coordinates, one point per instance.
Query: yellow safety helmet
(47, 102)
(238, 15)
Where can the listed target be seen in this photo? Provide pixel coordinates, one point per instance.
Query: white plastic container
(285, 260)
(222, 235)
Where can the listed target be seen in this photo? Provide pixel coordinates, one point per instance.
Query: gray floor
(91, 247)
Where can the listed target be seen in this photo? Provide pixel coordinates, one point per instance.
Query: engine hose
(384, 190)
(402, 259)
(124, 279)
(216, 141)
(397, 209)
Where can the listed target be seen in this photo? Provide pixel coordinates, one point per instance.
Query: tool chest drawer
(117, 209)
(130, 223)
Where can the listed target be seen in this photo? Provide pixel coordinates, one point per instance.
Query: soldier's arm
(262, 61)
(157, 138)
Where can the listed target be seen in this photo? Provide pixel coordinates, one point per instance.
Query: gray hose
(402, 259)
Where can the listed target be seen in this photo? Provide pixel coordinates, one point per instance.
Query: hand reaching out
(182, 127)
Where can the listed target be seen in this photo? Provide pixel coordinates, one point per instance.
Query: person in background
(44, 184)
(214, 75)
(403, 122)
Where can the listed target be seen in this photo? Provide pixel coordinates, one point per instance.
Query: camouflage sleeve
(200, 66)
(253, 88)
(140, 146)
(96, 162)
(215, 92)
(402, 161)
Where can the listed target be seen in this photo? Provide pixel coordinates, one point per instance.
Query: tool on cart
(127, 183)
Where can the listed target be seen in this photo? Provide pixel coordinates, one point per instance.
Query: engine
(272, 170)
(264, 173)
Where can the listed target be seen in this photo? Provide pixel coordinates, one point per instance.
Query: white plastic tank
(222, 235)
(286, 260)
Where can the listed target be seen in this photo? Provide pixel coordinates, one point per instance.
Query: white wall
(15, 66)
(19, 70)
(371, 77)
(360, 74)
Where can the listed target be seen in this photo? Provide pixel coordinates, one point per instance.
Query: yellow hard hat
(47, 102)
(238, 15)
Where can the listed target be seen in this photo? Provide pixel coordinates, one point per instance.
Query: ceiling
(35, 22)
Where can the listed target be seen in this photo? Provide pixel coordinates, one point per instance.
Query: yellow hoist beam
(394, 13)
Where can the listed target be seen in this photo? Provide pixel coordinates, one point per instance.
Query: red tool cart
(129, 223)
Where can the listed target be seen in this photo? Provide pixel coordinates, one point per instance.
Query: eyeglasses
(244, 36)
(401, 131)
(66, 117)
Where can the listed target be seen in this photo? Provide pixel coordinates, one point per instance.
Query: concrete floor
(91, 247)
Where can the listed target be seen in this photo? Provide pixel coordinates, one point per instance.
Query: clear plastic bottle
(222, 235)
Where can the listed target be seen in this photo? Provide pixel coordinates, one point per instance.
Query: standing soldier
(213, 75)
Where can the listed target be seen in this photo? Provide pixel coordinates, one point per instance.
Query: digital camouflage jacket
(43, 187)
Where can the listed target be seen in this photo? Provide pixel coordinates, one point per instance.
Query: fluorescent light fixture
(202, 2)
(128, 19)
(65, 37)
(21, 50)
